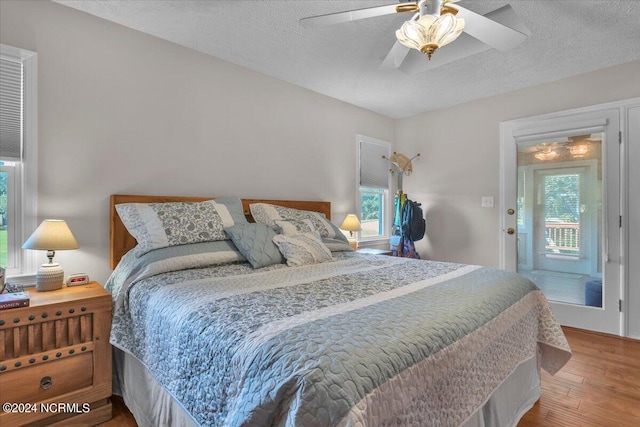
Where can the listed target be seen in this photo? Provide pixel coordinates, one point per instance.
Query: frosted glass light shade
(546, 155)
(430, 32)
(578, 150)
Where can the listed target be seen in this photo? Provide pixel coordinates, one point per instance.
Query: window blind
(10, 110)
(374, 170)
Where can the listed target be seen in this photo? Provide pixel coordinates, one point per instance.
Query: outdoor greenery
(562, 197)
(370, 207)
(3, 215)
(3, 196)
(3, 247)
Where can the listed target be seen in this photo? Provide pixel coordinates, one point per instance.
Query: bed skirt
(152, 406)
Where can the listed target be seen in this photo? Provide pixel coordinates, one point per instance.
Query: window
(18, 158)
(373, 188)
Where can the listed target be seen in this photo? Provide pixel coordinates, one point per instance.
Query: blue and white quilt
(362, 340)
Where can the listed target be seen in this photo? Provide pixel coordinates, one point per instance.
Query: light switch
(487, 201)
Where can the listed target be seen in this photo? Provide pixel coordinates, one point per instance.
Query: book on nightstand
(14, 300)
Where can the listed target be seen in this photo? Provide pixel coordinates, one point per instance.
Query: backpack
(413, 223)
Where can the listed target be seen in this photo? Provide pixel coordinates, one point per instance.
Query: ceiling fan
(434, 24)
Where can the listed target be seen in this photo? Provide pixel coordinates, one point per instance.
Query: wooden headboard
(120, 241)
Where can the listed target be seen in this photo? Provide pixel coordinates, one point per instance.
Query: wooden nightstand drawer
(56, 351)
(40, 382)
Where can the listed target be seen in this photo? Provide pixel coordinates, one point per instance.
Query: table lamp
(51, 235)
(351, 224)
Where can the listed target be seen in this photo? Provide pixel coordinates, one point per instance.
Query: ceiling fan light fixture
(430, 32)
(546, 155)
(578, 150)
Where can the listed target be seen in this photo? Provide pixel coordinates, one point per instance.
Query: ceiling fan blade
(351, 15)
(463, 46)
(493, 33)
(395, 57)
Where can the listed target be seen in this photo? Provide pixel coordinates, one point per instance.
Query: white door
(561, 212)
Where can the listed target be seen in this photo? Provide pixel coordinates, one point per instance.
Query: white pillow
(302, 248)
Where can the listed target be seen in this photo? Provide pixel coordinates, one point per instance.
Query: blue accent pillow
(255, 242)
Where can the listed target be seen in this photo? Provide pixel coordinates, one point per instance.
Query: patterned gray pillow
(302, 248)
(255, 242)
(268, 214)
(294, 226)
(160, 225)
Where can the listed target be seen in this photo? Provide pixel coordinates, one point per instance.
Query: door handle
(510, 230)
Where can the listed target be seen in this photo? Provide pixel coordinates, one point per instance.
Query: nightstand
(372, 251)
(55, 358)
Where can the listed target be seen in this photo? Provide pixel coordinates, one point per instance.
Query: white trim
(28, 172)
(630, 203)
(388, 209)
(619, 206)
(557, 129)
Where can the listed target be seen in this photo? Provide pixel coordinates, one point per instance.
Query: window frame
(25, 174)
(12, 214)
(387, 217)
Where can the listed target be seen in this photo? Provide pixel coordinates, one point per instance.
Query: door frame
(589, 119)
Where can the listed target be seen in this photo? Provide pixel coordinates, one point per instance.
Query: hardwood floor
(600, 386)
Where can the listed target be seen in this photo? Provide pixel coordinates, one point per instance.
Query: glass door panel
(559, 206)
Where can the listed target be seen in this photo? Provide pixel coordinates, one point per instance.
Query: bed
(203, 338)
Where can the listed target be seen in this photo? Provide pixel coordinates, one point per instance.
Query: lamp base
(49, 277)
(353, 243)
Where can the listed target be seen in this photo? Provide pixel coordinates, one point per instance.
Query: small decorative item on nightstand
(351, 224)
(51, 235)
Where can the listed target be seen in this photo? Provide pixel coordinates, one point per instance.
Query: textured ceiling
(341, 61)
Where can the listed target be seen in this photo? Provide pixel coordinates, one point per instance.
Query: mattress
(359, 341)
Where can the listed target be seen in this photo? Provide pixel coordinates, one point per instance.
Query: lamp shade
(351, 223)
(51, 234)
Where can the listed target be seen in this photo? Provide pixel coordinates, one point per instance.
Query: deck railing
(563, 237)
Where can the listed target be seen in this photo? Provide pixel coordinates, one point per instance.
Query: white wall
(460, 157)
(124, 112)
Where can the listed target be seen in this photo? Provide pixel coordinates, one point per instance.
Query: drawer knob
(46, 383)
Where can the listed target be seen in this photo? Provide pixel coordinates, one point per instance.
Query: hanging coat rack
(400, 166)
